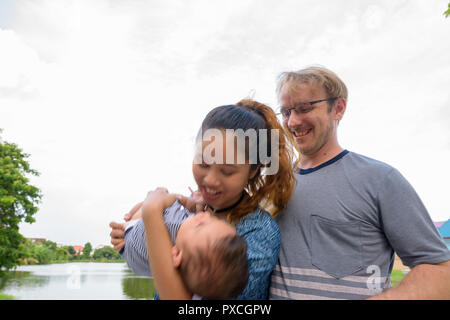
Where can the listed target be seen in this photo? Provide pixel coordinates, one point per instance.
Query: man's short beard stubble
(320, 142)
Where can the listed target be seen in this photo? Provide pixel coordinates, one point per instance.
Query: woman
(238, 192)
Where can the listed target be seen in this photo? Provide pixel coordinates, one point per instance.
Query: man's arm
(413, 236)
(423, 282)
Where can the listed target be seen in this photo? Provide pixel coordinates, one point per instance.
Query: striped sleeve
(135, 250)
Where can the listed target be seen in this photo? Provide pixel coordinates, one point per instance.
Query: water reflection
(21, 279)
(138, 288)
(73, 281)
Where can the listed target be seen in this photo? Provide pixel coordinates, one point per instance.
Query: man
(349, 213)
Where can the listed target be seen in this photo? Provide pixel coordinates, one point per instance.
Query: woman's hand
(194, 204)
(117, 235)
(118, 229)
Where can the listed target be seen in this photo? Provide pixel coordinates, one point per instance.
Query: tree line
(48, 252)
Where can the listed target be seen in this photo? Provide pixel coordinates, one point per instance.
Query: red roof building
(78, 249)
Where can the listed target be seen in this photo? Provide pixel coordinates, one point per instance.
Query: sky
(107, 96)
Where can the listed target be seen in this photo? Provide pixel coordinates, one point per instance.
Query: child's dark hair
(270, 192)
(220, 272)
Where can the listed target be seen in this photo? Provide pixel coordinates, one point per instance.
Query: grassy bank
(5, 297)
(100, 260)
(396, 277)
(80, 260)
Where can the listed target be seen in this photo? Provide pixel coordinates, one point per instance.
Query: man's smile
(301, 133)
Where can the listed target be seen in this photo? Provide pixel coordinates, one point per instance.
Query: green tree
(37, 252)
(18, 201)
(42, 253)
(447, 13)
(72, 253)
(71, 250)
(87, 251)
(63, 253)
(106, 253)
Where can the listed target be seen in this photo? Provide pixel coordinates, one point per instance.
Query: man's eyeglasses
(301, 107)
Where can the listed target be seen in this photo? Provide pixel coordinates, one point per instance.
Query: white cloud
(19, 65)
(107, 96)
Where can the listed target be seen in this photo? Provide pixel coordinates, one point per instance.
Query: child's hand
(158, 199)
(194, 204)
(135, 213)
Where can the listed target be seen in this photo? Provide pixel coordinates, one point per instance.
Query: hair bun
(255, 107)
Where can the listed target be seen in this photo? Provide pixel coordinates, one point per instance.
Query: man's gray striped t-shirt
(342, 226)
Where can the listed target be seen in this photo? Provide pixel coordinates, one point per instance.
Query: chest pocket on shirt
(336, 246)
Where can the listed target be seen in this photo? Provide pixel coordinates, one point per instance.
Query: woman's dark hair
(270, 192)
(235, 118)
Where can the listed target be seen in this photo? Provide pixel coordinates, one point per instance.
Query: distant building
(40, 240)
(78, 249)
(438, 224)
(444, 230)
(398, 264)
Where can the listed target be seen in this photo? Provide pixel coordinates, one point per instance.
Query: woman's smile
(210, 194)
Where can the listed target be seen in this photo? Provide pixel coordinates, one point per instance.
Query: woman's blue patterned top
(263, 238)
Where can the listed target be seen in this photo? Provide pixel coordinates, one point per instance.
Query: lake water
(78, 280)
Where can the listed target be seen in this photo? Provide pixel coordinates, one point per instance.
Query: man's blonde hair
(314, 75)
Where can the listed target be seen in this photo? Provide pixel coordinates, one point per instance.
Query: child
(239, 193)
(206, 250)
